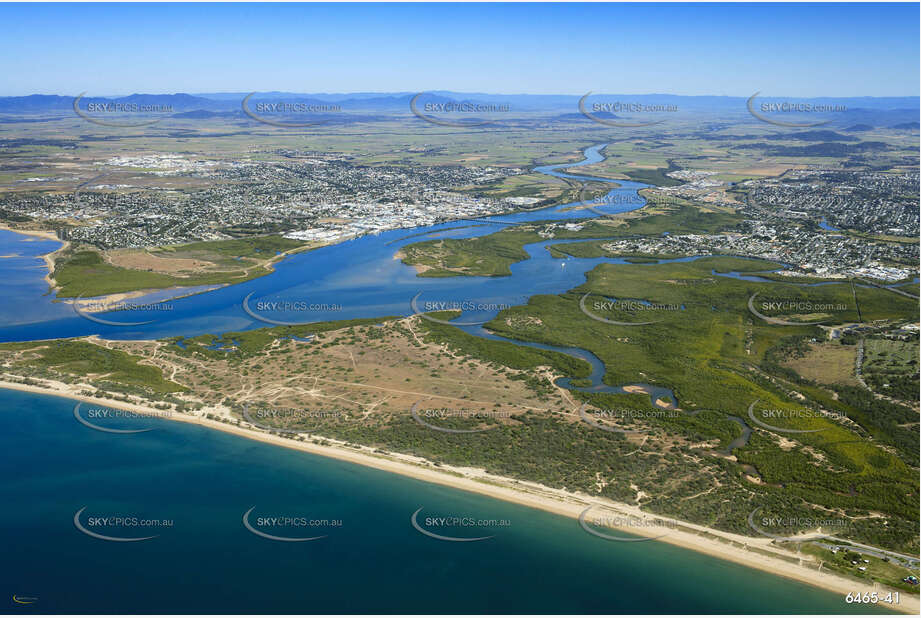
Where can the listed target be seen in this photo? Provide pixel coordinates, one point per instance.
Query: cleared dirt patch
(142, 260)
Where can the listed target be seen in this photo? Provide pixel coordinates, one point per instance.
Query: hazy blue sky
(780, 49)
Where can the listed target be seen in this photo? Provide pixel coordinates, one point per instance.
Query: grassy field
(654, 177)
(827, 363)
(87, 273)
(546, 189)
(885, 572)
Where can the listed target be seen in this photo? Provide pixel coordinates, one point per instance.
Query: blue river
(360, 276)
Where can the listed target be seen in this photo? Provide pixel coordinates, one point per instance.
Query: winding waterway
(355, 279)
(203, 481)
(359, 277)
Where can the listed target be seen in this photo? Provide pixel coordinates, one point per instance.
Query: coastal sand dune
(747, 551)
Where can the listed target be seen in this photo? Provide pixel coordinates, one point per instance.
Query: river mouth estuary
(210, 503)
(357, 279)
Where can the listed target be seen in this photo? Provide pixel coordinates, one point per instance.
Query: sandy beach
(120, 300)
(722, 545)
(420, 268)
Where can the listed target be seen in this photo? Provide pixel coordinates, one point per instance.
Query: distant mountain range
(863, 113)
